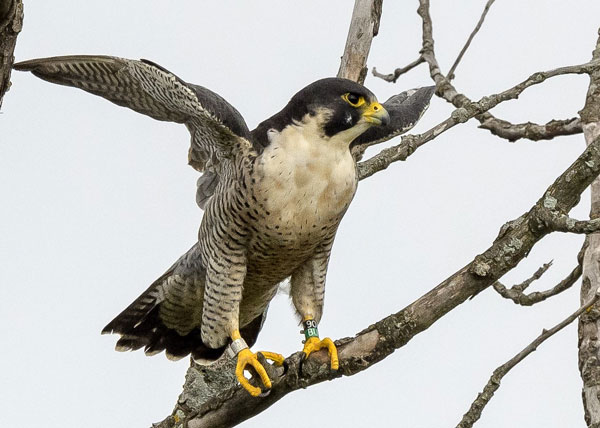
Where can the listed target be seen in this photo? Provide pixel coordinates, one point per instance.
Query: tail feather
(140, 326)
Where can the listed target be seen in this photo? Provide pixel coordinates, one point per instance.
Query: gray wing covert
(405, 110)
(215, 125)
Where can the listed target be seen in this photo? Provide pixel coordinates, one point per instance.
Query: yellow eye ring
(353, 99)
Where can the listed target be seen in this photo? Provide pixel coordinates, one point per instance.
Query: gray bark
(11, 22)
(363, 27)
(589, 323)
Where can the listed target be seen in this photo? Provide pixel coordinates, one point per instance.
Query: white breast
(306, 180)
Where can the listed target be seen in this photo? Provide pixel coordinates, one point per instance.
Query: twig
(518, 296)
(392, 77)
(531, 131)
(450, 75)
(483, 398)
(563, 223)
(517, 292)
(537, 275)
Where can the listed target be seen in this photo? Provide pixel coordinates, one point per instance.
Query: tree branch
(447, 91)
(518, 296)
(11, 22)
(563, 223)
(589, 325)
(483, 398)
(531, 131)
(232, 405)
(470, 39)
(392, 77)
(363, 27)
(522, 286)
(466, 110)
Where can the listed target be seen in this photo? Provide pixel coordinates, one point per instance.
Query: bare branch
(449, 92)
(470, 39)
(563, 223)
(399, 71)
(231, 405)
(428, 52)
(363, 27)
(499, 127)
(531, 131)
(467, 110)
(525, 284)
(474, 412)
(517, 295)
(11, 22)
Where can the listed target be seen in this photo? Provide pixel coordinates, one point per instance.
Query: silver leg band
(235, 347)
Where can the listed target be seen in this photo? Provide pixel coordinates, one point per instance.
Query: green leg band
(310, 329)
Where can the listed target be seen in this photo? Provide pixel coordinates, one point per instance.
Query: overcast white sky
(97, 201)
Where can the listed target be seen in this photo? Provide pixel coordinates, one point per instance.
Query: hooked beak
(375, 113)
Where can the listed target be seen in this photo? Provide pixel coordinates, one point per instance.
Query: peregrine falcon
(273, 199)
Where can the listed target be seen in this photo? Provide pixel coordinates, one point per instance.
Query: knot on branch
(480, 267)
(411, 143)
(461, 115)
(538, 77)
(548, 218)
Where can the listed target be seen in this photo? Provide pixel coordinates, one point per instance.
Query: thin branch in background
(517, 292)
(483, 398)
(428, 52)
(537, 275)
(486, 9)
(531, 131)
(517, 295)
(446, 90)
(468, 110)
(392, 77)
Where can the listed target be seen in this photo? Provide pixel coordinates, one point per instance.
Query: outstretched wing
(216, 126)
(405, 110)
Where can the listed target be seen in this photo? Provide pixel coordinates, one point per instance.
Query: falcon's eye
(353, 99)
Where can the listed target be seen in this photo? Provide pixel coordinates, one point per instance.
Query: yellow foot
(278, 359)
(246, 357)
(316, 344)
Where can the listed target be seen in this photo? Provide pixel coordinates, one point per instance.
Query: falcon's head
(335, 109)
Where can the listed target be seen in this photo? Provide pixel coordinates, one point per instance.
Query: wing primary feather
(148, 88)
